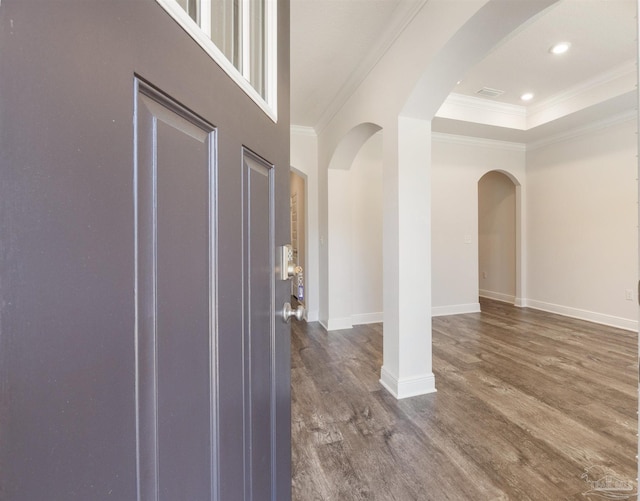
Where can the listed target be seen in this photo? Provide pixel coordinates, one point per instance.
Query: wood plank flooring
(526, 402)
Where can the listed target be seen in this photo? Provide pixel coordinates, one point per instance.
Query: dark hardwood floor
(527, 402)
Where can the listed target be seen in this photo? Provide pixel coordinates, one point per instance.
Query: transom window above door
(240, 35)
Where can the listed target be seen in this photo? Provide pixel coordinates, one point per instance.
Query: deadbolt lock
(287, 267)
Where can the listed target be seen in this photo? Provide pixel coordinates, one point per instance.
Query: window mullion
(226, 30)
(205, 17)
(271, 52)
(245, 37)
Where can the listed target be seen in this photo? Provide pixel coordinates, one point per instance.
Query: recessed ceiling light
(560, 48)
(527, 96)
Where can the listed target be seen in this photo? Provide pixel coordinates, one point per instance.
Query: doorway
(497, 237)
(298, 217)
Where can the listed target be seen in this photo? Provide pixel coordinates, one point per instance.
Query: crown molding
(620, 118)
(440, 137)
(302, 130)
(395, 28)
(479, 103)
(626, 69)
(483, 111)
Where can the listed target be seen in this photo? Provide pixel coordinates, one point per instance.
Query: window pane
(191, 7)
(258, 45)
(241, 33)
(226, 29)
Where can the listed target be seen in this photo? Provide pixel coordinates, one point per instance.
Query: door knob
(288, 312)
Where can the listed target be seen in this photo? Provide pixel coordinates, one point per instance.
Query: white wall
(458, 163)
(366, 224)
(579, 236)
(339, 246)
(401, 94)
(497, 236)
(304, 160)
(593, 179)
(582, 225)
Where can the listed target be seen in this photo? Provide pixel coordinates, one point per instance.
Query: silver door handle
(288, 312)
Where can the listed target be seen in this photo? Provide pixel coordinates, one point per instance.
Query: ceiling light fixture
(560, 48)
(527, 96)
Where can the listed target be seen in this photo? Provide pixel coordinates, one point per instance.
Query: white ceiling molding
(440, 137)
(625, 116)
(616, 82)
(401, 19)
(603, 86)
(301, 130)
(483, 111)
(605, 78)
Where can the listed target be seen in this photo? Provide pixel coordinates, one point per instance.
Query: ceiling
(334, 43)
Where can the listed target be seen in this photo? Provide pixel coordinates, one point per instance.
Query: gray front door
(142, 197)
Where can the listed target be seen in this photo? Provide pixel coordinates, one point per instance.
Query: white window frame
(202, 35)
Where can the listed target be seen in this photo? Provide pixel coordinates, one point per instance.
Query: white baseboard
(408, 387)
(337, 324)
(591, 316)
(366, 318)
(312, 316)
(454, 309)
(498, 296)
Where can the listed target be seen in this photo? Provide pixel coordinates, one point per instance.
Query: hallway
(526, 403)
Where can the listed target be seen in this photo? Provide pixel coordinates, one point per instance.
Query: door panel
(258, 329)
(126, 367)
(174, 174)
(184, 414)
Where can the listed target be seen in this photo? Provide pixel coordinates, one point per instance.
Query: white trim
(271, 55)
(455, 309)
(245, 44)
(441, 137)
(602, 79)
(407, 387)
(205, 18)
(338, 324)
(269, 106)
(459, 106)
(625, 116)
(590, 316)
(517, 117)
(302, 130)
(312, 316)
(498, 296)
(367, 318)
(403, 16)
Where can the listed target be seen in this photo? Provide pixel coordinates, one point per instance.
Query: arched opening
(366, 228)
(497, 237)
(354, 173)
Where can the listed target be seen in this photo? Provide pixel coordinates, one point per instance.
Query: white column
(407, 369)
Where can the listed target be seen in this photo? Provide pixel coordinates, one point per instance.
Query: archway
(499, 227)
(433, 61)
(339, 280)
